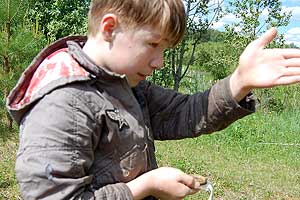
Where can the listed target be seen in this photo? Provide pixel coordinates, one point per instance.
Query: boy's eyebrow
(161, 37)
(165, 41)
(157, 36)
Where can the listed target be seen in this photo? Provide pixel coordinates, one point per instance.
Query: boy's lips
(143, 75)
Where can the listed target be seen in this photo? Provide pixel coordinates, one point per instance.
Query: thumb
(266, 38)
(188, 180)
(199, 181)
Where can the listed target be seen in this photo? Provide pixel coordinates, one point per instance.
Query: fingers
(171, 183)
(286, 53)
(290, 67)
(200, 179)
(188, 180)
(189, 191)
(286, 80)
(183, 190)
(259, 43)
(290, 72)
(292, 64)
(266, 38)
(188, 184)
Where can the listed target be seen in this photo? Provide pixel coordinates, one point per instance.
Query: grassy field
(8, 183)
(256, 158)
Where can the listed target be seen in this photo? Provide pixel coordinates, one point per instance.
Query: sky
(291, 32)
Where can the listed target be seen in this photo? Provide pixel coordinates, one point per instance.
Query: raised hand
(264, 68)
(164, 183)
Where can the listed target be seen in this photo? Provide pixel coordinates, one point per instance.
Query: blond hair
(167, 15)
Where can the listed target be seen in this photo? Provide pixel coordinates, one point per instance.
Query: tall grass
(8, 183)
(251, 159)
(255, 158)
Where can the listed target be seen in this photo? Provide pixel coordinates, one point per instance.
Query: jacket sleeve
(57, 139)
(176, 116)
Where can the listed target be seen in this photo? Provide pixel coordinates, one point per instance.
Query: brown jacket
(85, 134)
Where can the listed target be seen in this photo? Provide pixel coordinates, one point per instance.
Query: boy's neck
(93, 48)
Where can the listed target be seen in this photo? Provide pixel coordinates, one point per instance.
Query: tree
(59, 18)
(19, 41)
(200, 16)
(293, 45)
(255, 17)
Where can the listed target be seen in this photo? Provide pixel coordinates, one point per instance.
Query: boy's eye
(153, 44)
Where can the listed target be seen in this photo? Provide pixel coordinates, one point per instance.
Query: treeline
(203, 57)
(26, 27)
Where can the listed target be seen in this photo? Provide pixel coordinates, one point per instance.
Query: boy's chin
(132, 83)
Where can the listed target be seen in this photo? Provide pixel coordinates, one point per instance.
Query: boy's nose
(157, 62)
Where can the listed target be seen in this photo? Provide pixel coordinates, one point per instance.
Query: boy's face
(136, 53)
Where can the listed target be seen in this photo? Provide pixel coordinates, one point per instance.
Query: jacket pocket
(114, 168)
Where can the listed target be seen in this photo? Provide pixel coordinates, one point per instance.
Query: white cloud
(293, 36)
(227, 19)
(230, 18)
(214, 2)
(294, 31)
(218, 25)
(295, 12)
(265, 13)
(291, 32)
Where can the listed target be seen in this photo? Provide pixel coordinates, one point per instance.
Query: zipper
(148, 164)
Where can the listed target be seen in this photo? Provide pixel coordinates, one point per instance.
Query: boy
(88, 119)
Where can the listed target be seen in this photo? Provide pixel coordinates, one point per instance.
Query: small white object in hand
(209, 188)
(203, 184)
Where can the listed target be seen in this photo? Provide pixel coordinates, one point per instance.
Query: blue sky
(291, 32)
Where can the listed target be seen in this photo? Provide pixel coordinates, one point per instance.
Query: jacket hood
(51, 68)
(59, 64)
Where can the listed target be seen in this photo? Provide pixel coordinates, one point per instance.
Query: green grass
(241, 161)
(8, 183)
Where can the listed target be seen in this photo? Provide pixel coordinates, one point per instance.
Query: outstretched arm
(264, 68)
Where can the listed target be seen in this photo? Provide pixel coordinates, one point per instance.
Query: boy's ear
(109, 23)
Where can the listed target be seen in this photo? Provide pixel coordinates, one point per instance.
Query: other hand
(264, 68)
(165, 183)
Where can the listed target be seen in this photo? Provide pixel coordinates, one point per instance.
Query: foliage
(220, 59)
(212, 35)
(255, 17)
(163, 77)
(201, 15)
(59, 18)
(278, 99)
(196, 81)
(221, 62)
(240, 166)
(251, 14)
(20, 41)
(15, 36)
